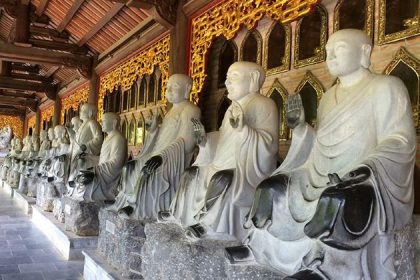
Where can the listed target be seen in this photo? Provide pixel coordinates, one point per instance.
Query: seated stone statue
(100, 183)
(332, 208)
(149, 182)
(87, 142)
(218, 190)
(60, 165)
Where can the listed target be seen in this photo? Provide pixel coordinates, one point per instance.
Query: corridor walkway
(25, 253)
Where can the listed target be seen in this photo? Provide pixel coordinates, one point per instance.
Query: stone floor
(25, 253)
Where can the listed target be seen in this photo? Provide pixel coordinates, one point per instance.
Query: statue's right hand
(295, 113)
(199, 132)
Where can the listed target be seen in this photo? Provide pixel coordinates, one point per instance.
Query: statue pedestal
(24, 202)
(45, 196)
(251, 271)
(23, 184)
(168, 254)
(8, 189)
(69, 244)
(33, 183)
(120, 242)
(81, 217)
(405, 250)
(58, 210)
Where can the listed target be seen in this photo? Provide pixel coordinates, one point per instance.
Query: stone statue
(218, 190)
(149, 182)
(5, 137)
(87, 141)
(333, 207)
(100, 183)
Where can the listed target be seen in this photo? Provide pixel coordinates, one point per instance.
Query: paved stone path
(25, 253)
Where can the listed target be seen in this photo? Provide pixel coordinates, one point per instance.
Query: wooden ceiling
(46, 44)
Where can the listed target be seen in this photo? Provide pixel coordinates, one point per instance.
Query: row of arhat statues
(329, 211)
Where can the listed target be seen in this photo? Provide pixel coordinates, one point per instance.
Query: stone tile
(46, 258)
(37, 267)
(29, 253)
(15, 260)
(7, 269)
(64, 274)
(23, 276)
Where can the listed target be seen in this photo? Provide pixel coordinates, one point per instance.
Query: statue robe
(107, 172)
(368, 124)
(251, 153)
(174, 142)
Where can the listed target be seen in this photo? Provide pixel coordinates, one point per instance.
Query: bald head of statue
(179, 88)
(110, 122)
(87, 111)
(348, 50)
(243, 78)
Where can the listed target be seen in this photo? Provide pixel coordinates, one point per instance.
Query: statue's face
(343, 56)
(107, 124)
(84, 113)
(76, 124)
(237, 82)
(175, 91)
(51, 134)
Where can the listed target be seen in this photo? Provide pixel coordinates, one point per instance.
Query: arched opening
(226, 59)
(276, 46)
(125, 95)
(132, 132)
(309, 101)
(311, 38)
(410, 79)
(278, 98)
(159, 90)
(142, 92)
(223, 106)
(251, 47)
(352, 14)
(140, 132)
(151, 90)
(124, 129)
(398, 13)
(133, 94)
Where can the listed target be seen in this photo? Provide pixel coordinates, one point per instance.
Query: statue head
(51, 134)
(178, 89)
(348, 50)
(88, 111)
(59, 131)
(244, 78)
(110, 122)
(44, 135)
(26, 140)
(34, 138)
(76, 122)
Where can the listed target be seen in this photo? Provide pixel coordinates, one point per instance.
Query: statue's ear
(187, 91)
(366, 51)
(254, 85)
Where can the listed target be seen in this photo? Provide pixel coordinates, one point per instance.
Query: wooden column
(25, 126)
(178, 43)
(57, 111)
(6, 68)
(38, 121)
(93, 88)
(22, 23)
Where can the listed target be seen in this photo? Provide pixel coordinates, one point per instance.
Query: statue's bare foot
(165, 217)
(195, 232)
(239, 254)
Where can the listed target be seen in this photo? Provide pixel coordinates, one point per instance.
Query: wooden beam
(70, 14)
(37, 78)
(22, 23)
(6, 68)
(52, 71)
(33, 69)
(12, 83)
(41, 7)
(19, 101)
(49, 32)
(60, 46)
(101, 23)
(39, 56)
(12, 111)
(17, 94)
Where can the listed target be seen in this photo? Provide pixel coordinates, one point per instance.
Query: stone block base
(251, 272)
(24, 202)
(405, 252)
(168, 254)
(33, 186)
(45, 196)
(8, 189)
(58, 210)
(96, 268)
(120, 242)
(81, 217)
(69, 244)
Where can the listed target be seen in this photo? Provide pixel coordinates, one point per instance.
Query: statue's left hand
(85, 177)
(152, 164)
(236, 116)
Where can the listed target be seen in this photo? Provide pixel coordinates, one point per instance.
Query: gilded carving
(284, 130)
(32, 122)
(369, 8)
(47, 114)
(16, 123)
(413, 27)
(227, 18)
(320, 52)
(125, 75)
(286, 59)
(411, 61)
(74, 100)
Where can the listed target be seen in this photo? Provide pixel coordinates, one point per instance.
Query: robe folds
(251, 153)
(107, 172)
(368, 124)
(173, 141)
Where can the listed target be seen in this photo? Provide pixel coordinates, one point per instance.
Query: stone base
(405, 252)
(24, 202)
(120, 242)
(69, 244)
(251, 271)
(168, 254)
(96, 268)
(45, 196)
(81, 217)
(8, 189)
(58, 210)
(32, 186)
